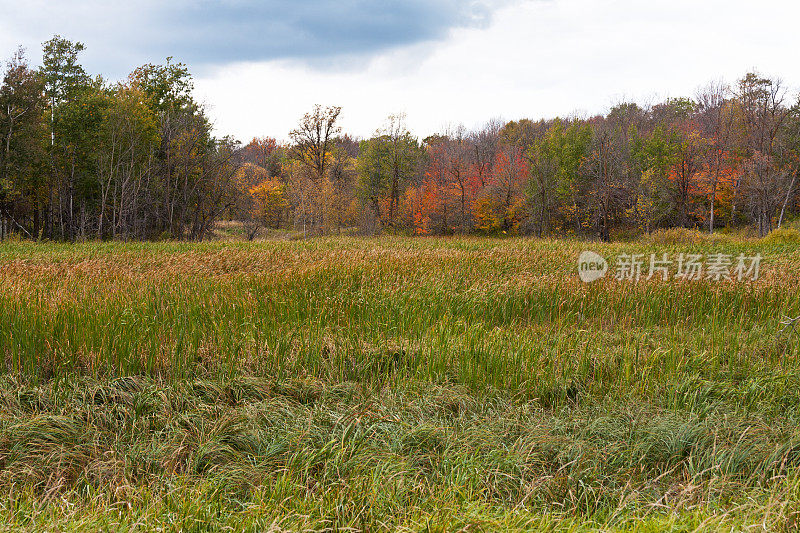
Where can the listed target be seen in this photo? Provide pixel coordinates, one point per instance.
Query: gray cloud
(218, 32)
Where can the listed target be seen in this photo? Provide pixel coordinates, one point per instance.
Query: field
(395, 383)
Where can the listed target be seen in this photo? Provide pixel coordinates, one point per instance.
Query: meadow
(362, 384)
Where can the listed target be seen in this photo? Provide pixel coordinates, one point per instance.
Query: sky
(259, 65)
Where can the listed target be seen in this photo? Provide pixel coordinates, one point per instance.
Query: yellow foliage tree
(269, 202)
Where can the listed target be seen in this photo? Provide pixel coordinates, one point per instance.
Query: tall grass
(402, 383)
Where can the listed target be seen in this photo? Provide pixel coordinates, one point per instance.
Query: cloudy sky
(260, 64)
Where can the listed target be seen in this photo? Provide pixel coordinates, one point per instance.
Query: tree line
(82, 158)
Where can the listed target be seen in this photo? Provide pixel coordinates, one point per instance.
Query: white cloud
(534, 60)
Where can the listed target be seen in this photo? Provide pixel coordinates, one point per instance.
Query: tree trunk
(786, 200)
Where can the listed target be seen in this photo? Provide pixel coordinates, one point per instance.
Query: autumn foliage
(83, 159)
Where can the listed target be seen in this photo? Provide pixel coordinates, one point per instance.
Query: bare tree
(485, 143)
(605, 173)
(763, 116)
(457, 154)
(715, 116)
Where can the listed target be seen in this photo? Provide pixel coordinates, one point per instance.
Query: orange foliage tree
(500, 204)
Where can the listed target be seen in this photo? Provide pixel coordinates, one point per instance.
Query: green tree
(128, 136)
(555, 163)
(23, 176)
(386, 163)
(653, 155)
(73, 97)
(63, 75)
(373, 180)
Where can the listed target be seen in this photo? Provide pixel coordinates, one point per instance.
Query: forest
(83, 158)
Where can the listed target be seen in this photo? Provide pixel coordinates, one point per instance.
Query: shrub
(783, 235)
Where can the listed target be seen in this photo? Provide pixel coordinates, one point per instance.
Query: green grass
(394, 383)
